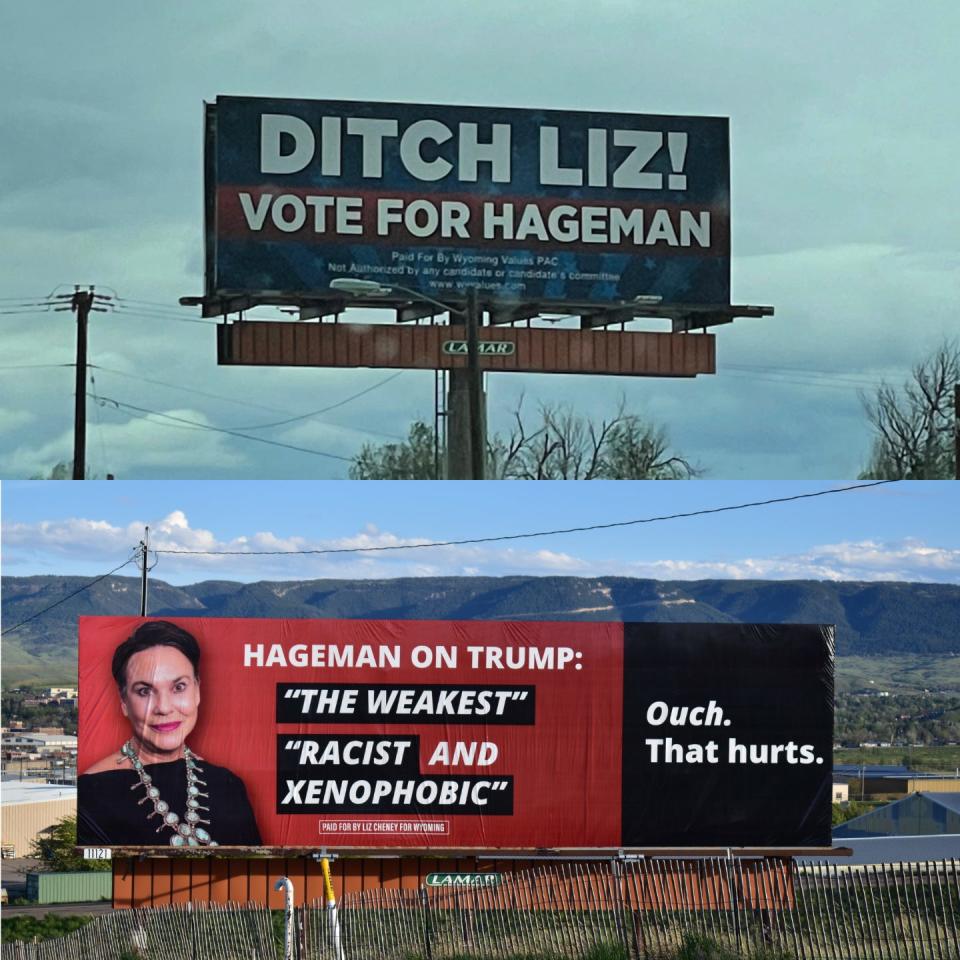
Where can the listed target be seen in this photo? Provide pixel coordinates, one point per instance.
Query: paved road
(69, 909)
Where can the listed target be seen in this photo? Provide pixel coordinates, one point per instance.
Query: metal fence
(644, 908)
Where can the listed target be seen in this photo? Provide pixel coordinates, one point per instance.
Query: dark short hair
(156, 633)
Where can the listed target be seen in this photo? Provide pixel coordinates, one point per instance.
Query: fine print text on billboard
(540, 206)
(453, 734)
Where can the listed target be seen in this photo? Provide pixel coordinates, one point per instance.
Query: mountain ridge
(872, 617)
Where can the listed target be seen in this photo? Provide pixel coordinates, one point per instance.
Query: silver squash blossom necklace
(189, 833)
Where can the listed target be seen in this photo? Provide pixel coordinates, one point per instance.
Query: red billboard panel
(452, 734)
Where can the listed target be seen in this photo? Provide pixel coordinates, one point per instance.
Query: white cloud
(15, 419)
(95, 540)
(61, 544)
(863, 560)
(135, 444)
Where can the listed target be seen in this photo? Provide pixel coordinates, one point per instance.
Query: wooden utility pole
(81, 303)
(144, 548)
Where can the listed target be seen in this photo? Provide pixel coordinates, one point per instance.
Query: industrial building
(894, 787)
(31, 808)
(920, 814)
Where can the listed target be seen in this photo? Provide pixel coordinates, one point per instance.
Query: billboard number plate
(97, 853)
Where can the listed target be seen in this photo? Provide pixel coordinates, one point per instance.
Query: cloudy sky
(903, 531)
(844, 197)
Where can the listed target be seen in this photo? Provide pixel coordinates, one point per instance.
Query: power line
(35, 366)
(9, 304)
(153, 306)
(813, 371)
(261, 406)
(231, 433)
(786, 381)
(333, 406)
(151, 303)
(816, 375)
(163, 313)
(178, 386)
(247, 403)
(138, 315)
(542, 533)
(86, 586)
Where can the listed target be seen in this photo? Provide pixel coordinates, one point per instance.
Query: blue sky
(843, 214)
(904, 531)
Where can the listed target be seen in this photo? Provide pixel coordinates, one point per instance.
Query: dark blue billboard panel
(545, 206)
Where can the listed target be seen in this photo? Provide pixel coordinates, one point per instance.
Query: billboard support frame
(684, 318)
(480, 853)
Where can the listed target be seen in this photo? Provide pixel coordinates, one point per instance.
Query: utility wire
(157, 304)
(233, 433)
(9, 304)
(86, 586)
(333, 406)
(541, 533)
(260, 406)
(34, 366)
(801, 371)
(785, 381)
(183, 389)
(137, 315)
(162, 313)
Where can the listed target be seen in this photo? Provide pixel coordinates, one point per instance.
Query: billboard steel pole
(477, 426)
(956, 431)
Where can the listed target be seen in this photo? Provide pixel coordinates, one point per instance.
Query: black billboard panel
(727, 735)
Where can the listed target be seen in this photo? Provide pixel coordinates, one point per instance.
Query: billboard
(453, 735)
(530, 206)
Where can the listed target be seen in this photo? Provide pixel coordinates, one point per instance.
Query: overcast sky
(844, 141)
(903, 531)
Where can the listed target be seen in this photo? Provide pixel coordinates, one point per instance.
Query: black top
(108, 813)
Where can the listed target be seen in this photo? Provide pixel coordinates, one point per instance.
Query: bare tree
(559, 445)
(914, 426)
(567, 446)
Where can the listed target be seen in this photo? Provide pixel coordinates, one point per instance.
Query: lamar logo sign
(485, 348)
(463, 879)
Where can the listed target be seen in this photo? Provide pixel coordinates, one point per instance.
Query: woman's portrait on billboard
(154, 790)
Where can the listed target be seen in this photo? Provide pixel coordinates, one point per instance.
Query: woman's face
(160, 701)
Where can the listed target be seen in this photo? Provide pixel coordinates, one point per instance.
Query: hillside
(872, 619)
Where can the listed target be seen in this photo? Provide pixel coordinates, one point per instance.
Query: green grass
(50, 925)
(910, 673)
(602, 951)
(698, 947)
